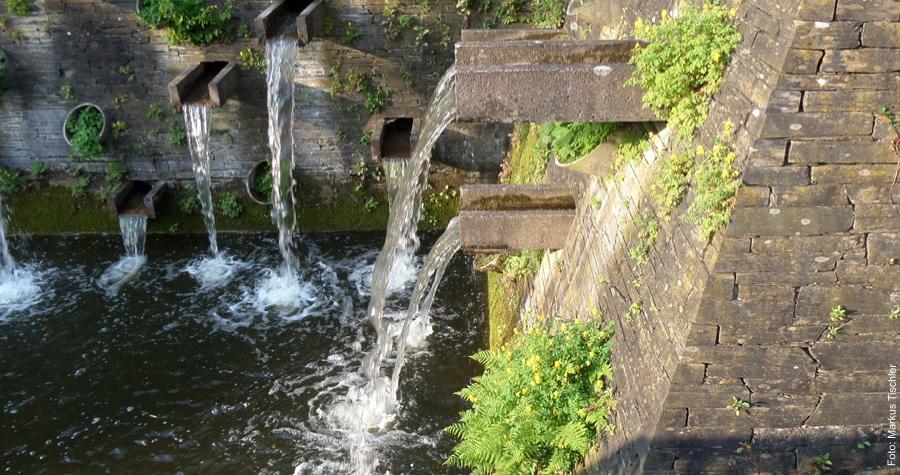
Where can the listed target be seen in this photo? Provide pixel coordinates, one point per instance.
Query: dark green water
(167, 377)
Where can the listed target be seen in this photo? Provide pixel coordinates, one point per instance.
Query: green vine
(569, 141)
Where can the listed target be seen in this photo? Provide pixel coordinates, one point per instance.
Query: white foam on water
(283, 291)
(19, 290)
(120, 273)
(214, 271)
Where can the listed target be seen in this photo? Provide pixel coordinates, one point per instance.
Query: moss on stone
(53, 210)
(503, 309)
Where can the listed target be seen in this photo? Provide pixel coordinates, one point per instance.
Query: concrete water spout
(395, 133)
(289, 19)
(522, 75)
(138, 198)
(209, 82)
(511, 218)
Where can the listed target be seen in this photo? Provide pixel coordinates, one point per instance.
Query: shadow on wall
(743, 449)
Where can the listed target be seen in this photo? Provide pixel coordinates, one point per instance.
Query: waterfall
(369, 409)
(281, 55)
(134, 233)
(196, 120)
(401, 240)
(423, 294)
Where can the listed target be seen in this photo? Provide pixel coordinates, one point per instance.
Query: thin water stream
(196, 121)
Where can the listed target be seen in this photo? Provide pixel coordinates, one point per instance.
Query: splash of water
(196, 121)
(393, 174)
(423, 294)
(405, 213)
(18, 286)
(134, 234)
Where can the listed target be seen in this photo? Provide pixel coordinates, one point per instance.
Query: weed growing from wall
(648, 232)
(189, 21)
(10, 181)
(717, 183)
(540, 403)
(682, 65)
(673, 180)
(230, 206)
(248, 58)
(17, 7)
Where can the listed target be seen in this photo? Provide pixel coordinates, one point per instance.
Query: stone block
(826, 35)
(765, 333)
(868, 10)
(775, 416)
(752, 196)
(884, 248)
(816, 10)
(853, 174)
(802, 61)
(808, 244)
(732, 461)
(849, 409)
(784, 175)
(767, 440)
(817, 124)
(790, 276)
(881, 35)
(883, 217)
(849, 381)
(814, 303)
(784, 101)
(865, 60)
(813, 195)
(779, 308)
(870, 275)
(769, 152)
(702, 438)
(854, 356)
(872, 194)
(814, 152)
(850, 101)
(840, 81)
(789, 221)
(515, 197)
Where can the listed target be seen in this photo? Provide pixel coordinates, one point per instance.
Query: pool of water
(168, 376)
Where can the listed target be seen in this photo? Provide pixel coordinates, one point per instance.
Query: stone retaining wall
(746, 314)
(83, 43)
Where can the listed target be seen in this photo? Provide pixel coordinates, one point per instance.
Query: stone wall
(746, 314)
(83, 43)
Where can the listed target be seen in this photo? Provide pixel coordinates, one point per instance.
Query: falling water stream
(217, 268)
(423, 294)
(371, 409)
(282, 287)
(196, 121)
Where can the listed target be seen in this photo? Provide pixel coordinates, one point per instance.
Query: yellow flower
(700, 150)
(587, 363)
(592, 354)
(555, 393)
(528, 409)
(557, 364)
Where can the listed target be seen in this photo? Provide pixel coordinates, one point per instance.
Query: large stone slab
(826, 35)
(515, 197)
(511, 231)
(790, 221)
(543, 81)
(812, 152)
(817, 124)
(865, 60)
(881, 35)
(868, 10)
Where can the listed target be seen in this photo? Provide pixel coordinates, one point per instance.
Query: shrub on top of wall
(3, 60)
(540, 403)
(682, 65)
(17, 7)
(189, 21)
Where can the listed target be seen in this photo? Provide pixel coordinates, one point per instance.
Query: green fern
(539, 405)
